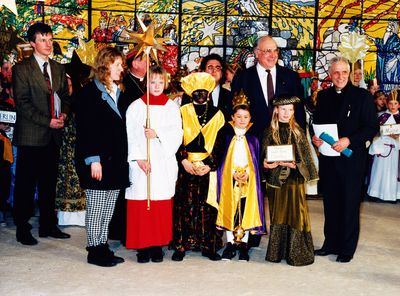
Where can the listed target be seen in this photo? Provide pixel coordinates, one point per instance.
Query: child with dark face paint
(194, 218)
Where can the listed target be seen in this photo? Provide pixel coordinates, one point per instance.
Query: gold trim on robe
(209, 131)
(193, 128)
(228, 206)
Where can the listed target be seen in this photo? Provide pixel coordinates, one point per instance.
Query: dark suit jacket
(134, 89)
(224, 102)
(356, 119)
(33, 104)
(287, 83)
(100, 131)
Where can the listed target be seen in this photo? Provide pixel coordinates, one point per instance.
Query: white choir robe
(384, 183)
(152, 227)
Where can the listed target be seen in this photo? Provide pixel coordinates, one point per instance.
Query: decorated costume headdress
(240, 99)
(197, 81)
(285, 100)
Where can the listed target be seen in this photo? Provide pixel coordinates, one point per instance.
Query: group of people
(180, 176)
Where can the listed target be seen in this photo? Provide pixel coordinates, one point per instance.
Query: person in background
(101, 151)
(149, 226)
(220, 97)
(42, 104)
(380, 101)
(70, 197)
(385, 180)
(341, 177)
(373, 86)
(357, 76)
(290, 236)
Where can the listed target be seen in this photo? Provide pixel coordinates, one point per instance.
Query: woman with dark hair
(101, 151)
(220, 97)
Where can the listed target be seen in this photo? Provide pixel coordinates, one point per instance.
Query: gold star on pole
(10, 4)
(146, 42)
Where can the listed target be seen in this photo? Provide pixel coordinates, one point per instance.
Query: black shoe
(156, 254)
(143, 255)
(244, 252)
(213, 256)
(323, 252)
(110, 254)
(344, 258)
(96, 256)
(55, 233)
(178, 255)
(26, 238)
(229, 252)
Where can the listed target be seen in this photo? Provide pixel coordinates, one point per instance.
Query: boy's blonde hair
(158, 70)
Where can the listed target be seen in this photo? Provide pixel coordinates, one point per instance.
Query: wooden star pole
(148, 45)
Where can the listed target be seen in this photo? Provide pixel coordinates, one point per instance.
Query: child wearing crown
(194, 219)
(290, 234)
(385, 177)
(239, 194)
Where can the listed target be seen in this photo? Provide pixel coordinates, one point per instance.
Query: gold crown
(240, 99)
(196, 81)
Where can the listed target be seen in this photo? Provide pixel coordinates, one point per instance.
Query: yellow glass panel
(339, 8)
(298, 9)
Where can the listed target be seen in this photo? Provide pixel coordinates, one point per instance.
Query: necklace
(203, 117)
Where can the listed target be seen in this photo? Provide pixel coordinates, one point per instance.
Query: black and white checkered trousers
(99, 210)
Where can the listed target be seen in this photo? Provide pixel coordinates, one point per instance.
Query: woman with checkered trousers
(101, 151)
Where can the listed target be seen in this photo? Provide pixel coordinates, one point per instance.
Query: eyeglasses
(269, 50)
(214, 68)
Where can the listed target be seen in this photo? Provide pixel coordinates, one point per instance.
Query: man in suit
(353, 111)
(42, 104)
(254, 82)
(260, 91)
(221, 98)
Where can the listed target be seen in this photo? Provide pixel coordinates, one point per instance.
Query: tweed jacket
(31, 95)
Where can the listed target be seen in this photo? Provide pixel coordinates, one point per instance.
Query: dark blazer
(224, 102)
(100, 131)
(33, 104)
(287, 83)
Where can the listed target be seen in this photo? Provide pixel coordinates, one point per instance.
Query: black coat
(287, 83)
(341, 177)
(101, 131)
(356, 119)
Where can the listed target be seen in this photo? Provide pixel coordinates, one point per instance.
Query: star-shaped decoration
(209, 30)
(353, 46)
(146, 42)
(87, 53)
(10, 4)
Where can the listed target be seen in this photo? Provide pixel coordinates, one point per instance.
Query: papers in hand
(331, 129)
(57, 105)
